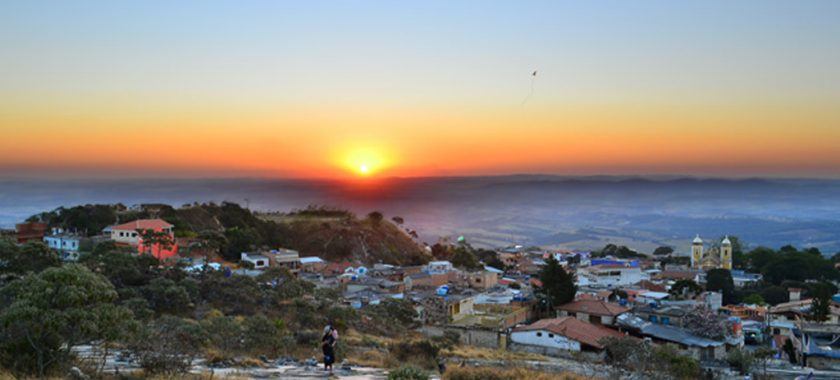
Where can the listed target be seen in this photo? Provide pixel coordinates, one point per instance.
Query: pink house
(129, 234)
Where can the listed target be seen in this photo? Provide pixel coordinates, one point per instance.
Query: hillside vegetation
(230, 229)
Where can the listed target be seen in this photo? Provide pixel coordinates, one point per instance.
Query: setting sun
(365, 161)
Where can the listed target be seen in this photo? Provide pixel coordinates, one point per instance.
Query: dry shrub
(215, 356)
(418, 353)
(473, 352)
(368, 358)
(495, 373)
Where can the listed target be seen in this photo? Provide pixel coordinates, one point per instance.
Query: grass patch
(472, 352)
(486, 373)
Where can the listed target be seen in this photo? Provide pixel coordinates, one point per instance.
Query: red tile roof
(645, 284)
(593, 307)
(143, 224)
(677, 275)
(610, 266)
(572, 328)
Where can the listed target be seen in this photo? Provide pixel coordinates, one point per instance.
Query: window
(551, 335)
(260, 263)
(539, 334)
(653, 318)
(666, 320)
(122, 234)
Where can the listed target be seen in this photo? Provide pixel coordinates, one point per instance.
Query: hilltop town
(162, 290)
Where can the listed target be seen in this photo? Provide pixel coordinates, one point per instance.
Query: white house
(565, 333)
(439, 267)
(610, 275)
(288, 258)
(651, 297)
(259, 261)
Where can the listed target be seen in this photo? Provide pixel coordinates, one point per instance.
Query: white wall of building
(613, 277)
(544, 338)
(130, 237)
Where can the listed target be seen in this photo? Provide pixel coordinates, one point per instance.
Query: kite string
(533, 77)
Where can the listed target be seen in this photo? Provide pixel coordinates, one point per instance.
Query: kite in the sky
(533, 77)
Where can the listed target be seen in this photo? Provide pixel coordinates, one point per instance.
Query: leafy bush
(44, 316)
(169, 345)
(740, 360)
(408, 373)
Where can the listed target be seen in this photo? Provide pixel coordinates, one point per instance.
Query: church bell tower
(696, 251)
(726, 254)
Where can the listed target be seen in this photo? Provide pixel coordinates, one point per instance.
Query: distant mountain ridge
(562, 211)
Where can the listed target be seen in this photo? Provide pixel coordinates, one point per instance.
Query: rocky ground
(281, 369)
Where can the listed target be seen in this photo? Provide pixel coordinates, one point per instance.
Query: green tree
(720, 280)
(239, 240)
(663, 251)
(165, 296)
(463, 257)
(210, 241)
(237, 295)
(754, 299)
(684, 287)
(490, 258)
(159, 239)
(669, 362)
(558, 286)
(390, 309)
(775, 295)
(124, 269)
(227, 333)
(262, 335)
(30, 257)
(759, 257)
(52, 312)
(621, 252)
(821, 304)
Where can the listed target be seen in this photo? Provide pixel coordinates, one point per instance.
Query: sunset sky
(423, 88)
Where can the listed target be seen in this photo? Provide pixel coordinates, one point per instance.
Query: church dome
(698, 240)
(726, 241)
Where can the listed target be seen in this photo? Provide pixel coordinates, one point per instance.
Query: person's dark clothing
(327, 344)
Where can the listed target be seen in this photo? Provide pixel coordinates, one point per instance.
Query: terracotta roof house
(647, 285)
(565, 333)
(129, 234)
(677, 275)
(591, 310)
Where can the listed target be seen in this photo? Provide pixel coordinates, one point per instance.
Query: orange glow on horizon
(744, 139)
